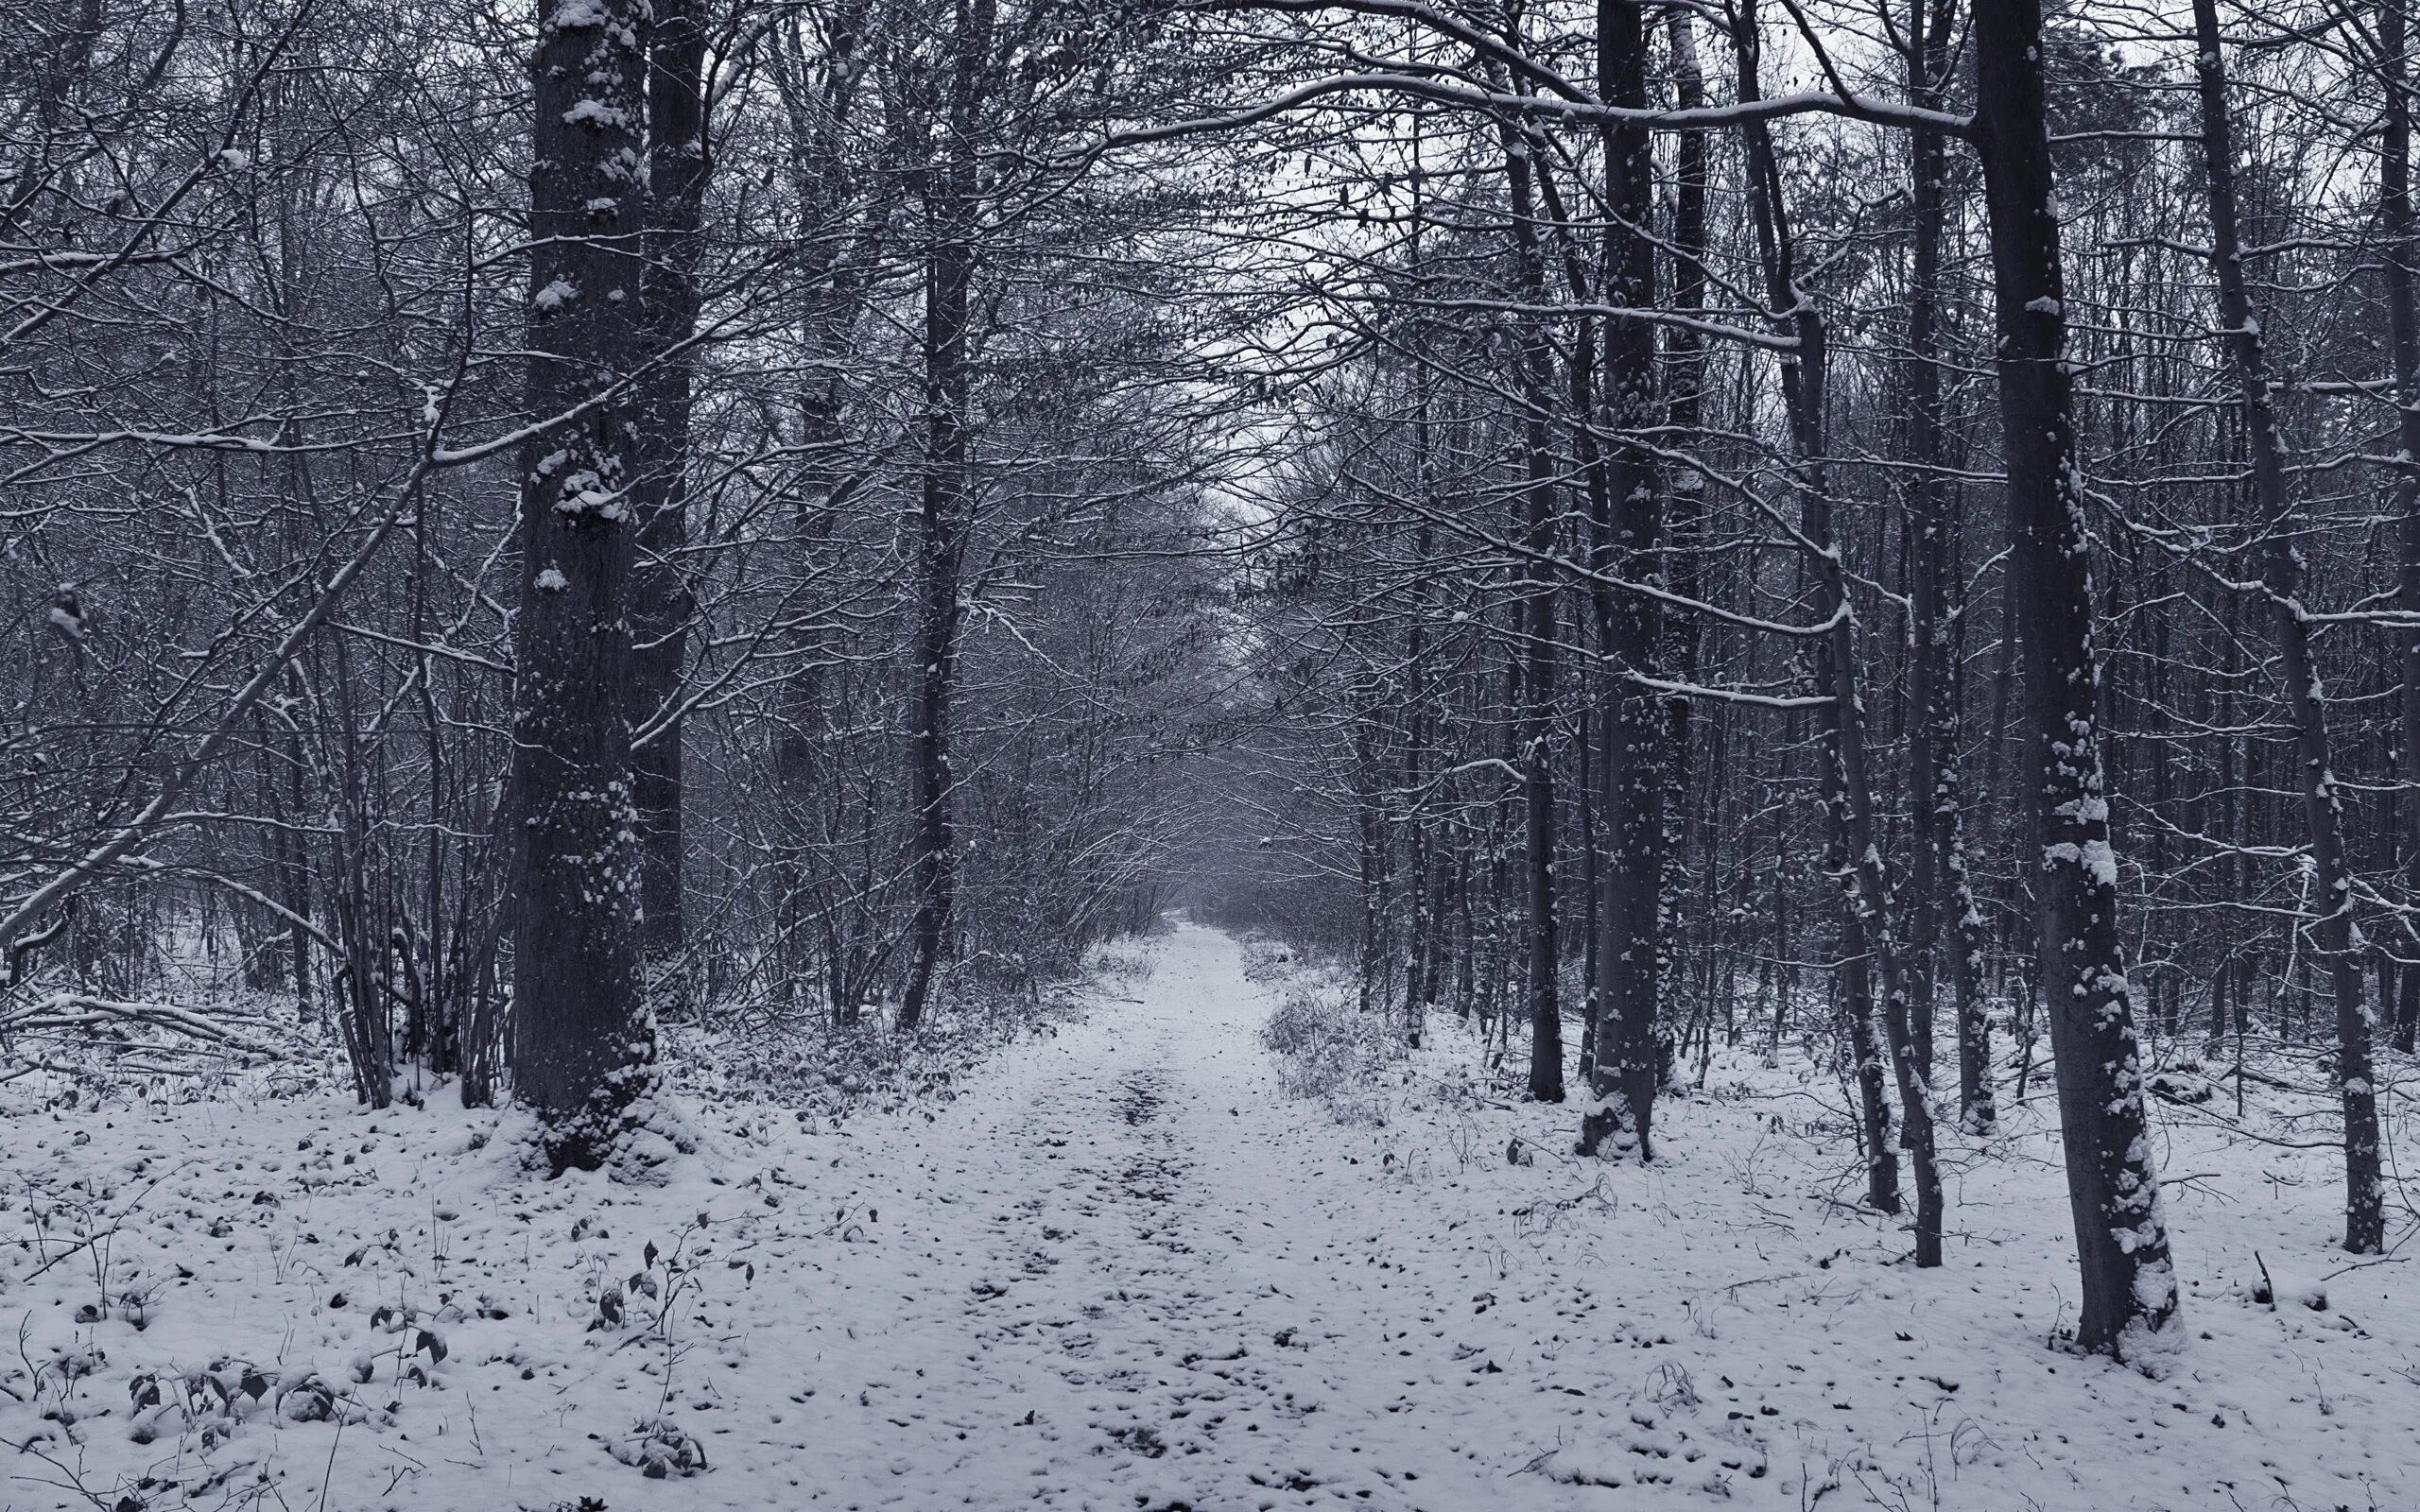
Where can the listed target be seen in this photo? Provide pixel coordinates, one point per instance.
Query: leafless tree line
(1654, 524)
(1883, 524)
(505, 539)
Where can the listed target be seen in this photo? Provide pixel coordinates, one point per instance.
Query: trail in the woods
(1115, 1269)
(1162, 1301)
(1128, 1274)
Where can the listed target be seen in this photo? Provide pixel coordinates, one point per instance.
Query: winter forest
(1188, 755)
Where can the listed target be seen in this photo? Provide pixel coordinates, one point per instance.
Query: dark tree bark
(1684, 376)
(1420, 940)
(2281, 587)
(1370, 827)
(1947, 920)
(582, 1043)
(2129, 1284)
(678, 169)
(943, 513)
(1423, 865)
(1534, 746)
(2402, 263)
(1629, 530)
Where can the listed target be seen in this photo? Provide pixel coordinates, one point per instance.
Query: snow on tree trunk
(1628, 540)
(2401, 260)
(2129, 1286)
(582, 1041)
(945, 502)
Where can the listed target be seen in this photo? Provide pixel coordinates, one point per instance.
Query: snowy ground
(1121, 1271)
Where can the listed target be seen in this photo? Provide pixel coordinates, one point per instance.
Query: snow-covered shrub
(1132, 963)
(1328, 1048)
(1267, 960)
(804, 1063)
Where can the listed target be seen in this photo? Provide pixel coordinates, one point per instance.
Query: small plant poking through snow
(652, 1295)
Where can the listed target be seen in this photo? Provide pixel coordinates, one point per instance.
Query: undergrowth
(1328, 1047)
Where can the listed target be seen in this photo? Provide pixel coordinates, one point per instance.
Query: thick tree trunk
(2129, 1284)
(940, 547)
(583, 1043)
(2306, 703)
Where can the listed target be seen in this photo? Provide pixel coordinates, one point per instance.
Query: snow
(1122, 1269)
(2100, 862)
(586, 492)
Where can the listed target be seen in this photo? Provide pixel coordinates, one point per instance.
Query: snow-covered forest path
(1127, 1275)
(1115, 1268)
(1130, 1273)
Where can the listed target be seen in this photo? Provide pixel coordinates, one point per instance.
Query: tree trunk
(942, 518)
(1684, 394)
(1947, 920)
(2281, 585)
(1629, 539)
(2402, 326)
(2129, 1284)
(661, 604)
(1868, 950)
(583, 1042)
(1534, 754)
